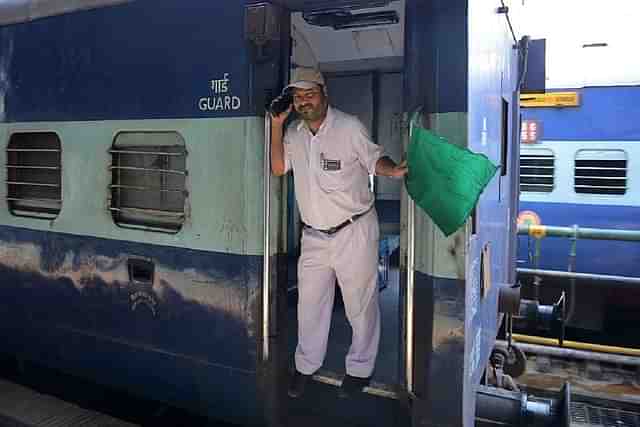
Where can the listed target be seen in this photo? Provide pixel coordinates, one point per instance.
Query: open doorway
(360, 53)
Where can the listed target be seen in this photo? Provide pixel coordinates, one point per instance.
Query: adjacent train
(584, 171)
(144, 246)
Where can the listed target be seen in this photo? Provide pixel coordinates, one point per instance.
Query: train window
(601, 172)
(148, 175)
(537, 171)
(33, 170)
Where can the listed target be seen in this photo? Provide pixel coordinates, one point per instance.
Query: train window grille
(537, 171)
(601, 172)
(34, 175)
(148, 181)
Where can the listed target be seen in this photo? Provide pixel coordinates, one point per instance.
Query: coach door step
(374, 388)
(377, 405)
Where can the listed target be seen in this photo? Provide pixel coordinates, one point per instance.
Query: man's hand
(387, 167)
(277, 146)
(279, 119)
(400, 170)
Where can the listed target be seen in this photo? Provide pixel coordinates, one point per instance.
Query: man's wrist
(384, 166)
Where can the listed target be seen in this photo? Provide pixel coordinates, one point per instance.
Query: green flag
(444, 179)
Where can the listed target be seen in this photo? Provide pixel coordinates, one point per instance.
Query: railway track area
(588, 378)
(587, 415)
(603, 394)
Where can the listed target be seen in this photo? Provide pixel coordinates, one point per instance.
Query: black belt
(334, 230)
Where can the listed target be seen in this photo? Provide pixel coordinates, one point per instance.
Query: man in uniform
(332, 156)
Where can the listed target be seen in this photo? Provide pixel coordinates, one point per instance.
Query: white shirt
(331, 169)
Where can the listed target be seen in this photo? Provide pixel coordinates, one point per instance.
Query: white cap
(305, 78)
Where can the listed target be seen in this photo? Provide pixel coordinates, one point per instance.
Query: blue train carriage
(582, 170)
(134, 220)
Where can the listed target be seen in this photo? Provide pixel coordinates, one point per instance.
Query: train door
(360, 52)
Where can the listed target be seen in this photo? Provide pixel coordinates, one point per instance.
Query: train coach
(145, 246)
(582, 171)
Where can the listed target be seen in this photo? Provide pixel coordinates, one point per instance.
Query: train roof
(374, 46)
(17, 11)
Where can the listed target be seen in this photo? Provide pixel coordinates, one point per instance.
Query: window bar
(163, 178)
(166, 230)
(619, 178)
(527, 157)
(149, 211)
(21, 199)
(611, 187)
(119, 190)
(156, 153)
(32, 167)
(35, 184)
(133, 187)
(527, 164)
(134, 168)
(608, 168)
(35, 150)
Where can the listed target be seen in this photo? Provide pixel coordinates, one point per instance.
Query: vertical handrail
(266, 258)
(409, 297)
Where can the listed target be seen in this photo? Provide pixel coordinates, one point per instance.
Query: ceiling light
(319, 6)
(340, 19)
(368, 20)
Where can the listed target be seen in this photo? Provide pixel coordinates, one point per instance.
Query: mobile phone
(281, 103)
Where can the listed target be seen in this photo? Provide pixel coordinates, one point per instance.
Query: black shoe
(297, 382)
(352, 385)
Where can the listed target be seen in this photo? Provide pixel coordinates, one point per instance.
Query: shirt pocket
(334, 171)
(333, 180)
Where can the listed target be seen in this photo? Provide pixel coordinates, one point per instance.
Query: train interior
(360, 53)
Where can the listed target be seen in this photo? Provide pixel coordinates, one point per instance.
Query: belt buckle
(332, 230)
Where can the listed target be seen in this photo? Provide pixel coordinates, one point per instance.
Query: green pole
(540, 231)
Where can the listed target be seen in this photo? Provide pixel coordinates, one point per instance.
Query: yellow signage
(551, 99)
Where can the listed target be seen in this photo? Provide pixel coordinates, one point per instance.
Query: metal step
(375, 389)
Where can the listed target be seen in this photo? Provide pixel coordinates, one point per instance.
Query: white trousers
(351, 257)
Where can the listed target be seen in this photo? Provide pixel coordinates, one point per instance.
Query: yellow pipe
(577, 345)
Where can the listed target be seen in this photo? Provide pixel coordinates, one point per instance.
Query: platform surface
(22, 407)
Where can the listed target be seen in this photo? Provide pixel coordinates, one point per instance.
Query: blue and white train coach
(133, 216)
(584, 170)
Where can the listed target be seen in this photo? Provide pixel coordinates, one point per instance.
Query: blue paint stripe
(67, 302)
(197, 303)
(593, 256)
(145, 59)
(605, 113)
